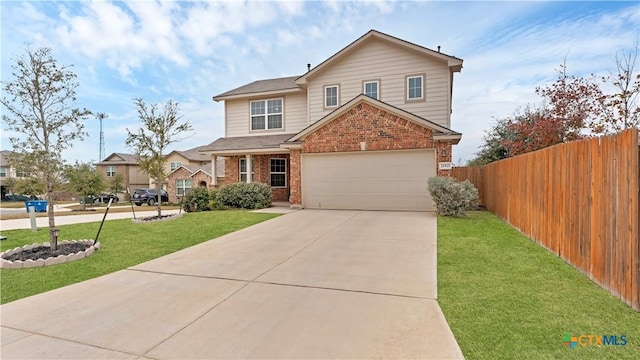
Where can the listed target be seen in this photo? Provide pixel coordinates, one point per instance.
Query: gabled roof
(454, 63)
(439, 132)
(4, 157)
(192, 154)
(120, 159)
(194, 169)
(264, 87)
(267, 144)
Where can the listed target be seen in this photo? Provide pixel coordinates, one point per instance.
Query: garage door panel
(394, 180)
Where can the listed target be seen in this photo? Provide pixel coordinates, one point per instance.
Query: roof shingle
(262, 86)
(247, 142)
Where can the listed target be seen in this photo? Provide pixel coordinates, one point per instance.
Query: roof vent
(308, 67)
(438, 48)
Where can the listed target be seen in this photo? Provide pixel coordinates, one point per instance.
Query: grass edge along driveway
(506, 297)
(123, 244)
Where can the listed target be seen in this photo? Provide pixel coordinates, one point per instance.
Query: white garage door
(371, 180)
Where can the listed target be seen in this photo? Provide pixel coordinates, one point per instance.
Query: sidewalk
(43, 222)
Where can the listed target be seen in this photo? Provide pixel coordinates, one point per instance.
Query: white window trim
(3, 171)
(111, 171)
(174, 165)
(284, 173)
(364, 88)
(253, 168)
(422, 88)
(266, 115)
(183, 187)
(337, 86)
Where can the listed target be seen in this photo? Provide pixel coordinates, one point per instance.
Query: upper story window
(22, 173)
(266, 114)
(174, 165)
(111, 171)
(331, 96)
(371, 89)
(415, 87)
(3, 171)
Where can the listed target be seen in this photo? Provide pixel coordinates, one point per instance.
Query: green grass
(123, 244)
(506, 297)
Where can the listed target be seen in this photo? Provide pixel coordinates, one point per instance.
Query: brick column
(295, 196)
(443, 148)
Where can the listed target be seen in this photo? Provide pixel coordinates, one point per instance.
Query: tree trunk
(52, 223)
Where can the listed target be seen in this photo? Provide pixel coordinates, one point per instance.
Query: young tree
(85, 179)
(41, 112)
(31, 186)
(493, 148)
(10, 184)
(621, 110)
(161, 127)
(117, 184)
(573, 103)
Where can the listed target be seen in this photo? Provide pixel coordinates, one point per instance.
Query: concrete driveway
(309, 284)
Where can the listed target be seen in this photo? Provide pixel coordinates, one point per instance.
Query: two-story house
(364, 129)
(8, 172)
(188, 169)
(127, 166)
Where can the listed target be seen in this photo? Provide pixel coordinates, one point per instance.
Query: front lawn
(123, 244)
(505, 297)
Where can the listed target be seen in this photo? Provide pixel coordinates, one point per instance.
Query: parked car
(16, 197)
(104, 197)
(148, 196)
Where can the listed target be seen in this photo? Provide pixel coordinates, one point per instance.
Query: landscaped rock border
(18, 264)
(154, 218)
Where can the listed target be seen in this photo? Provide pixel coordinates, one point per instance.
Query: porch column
(214, 162)
(249, 174)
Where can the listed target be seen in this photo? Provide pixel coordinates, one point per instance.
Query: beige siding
(379, 60)
(137, 178)
(237, 115)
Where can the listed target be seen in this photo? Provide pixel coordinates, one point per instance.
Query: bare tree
(161, 127)
(621, 110)
(42, 116)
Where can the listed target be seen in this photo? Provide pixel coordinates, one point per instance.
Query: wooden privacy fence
(579, 200)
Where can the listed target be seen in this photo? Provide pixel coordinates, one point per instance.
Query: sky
(190, 51)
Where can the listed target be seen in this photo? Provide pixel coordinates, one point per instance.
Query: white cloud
(191, 51)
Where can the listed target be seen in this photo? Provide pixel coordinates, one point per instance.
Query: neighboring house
(8, 171)
(194, 171)
(127, 165)
(188, 176)
(364, 129)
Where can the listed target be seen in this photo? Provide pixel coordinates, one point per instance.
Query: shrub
(452, 198)
(213, 200)
(244, 195)
(197, 199)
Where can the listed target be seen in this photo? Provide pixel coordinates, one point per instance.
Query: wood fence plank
(580, 200)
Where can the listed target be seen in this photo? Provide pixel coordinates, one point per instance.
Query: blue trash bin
(38, 205)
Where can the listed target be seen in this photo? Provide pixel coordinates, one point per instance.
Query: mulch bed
(156, 218)
(45, 252)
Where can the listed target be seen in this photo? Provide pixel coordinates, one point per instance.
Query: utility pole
(101, 116)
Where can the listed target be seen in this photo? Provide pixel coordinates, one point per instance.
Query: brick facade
(295, 196)
(362, 128)
(379, 129)
(376, 128)
(261, 172)
(198, 179)
(122, 170)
